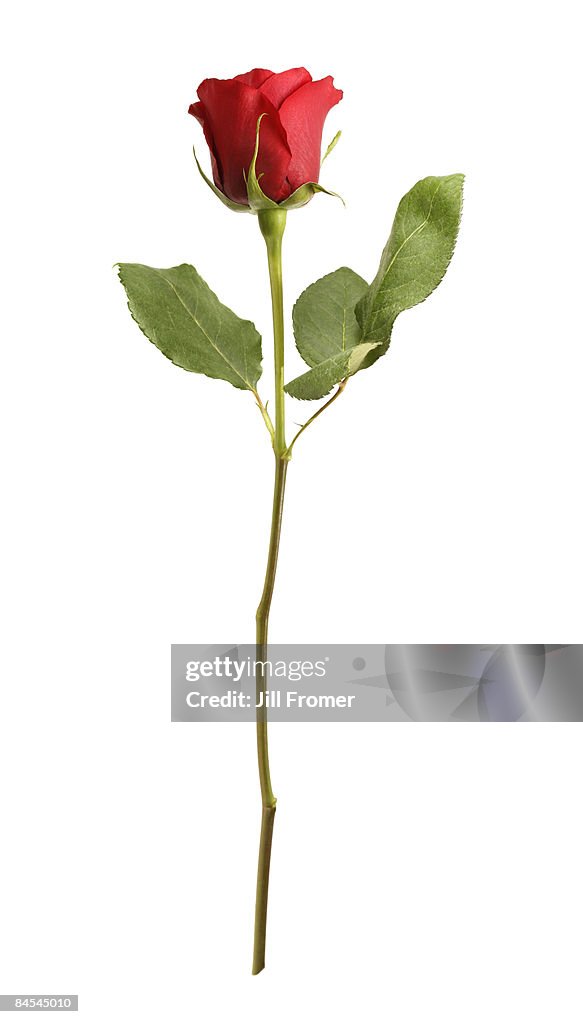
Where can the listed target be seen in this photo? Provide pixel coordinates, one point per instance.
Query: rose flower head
(289, 146)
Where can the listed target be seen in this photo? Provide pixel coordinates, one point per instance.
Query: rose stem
(272, 224)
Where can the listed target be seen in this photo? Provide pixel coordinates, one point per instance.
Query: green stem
(319, 412)
(272, 224)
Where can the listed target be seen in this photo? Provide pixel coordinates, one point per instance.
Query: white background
(420, 873)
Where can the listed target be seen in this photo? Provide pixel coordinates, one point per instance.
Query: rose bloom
(291, 134)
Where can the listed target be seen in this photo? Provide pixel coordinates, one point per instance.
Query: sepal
(304, 193)
(255, 194)
(331, 146)
(237, 207)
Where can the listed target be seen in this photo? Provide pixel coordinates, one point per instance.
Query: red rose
(291, 134)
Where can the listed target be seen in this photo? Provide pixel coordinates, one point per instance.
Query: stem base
(267, 822)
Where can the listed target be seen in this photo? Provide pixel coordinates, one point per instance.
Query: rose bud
(291, 109)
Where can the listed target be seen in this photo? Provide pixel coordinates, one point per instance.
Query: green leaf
(179, 313)
(415, 257)
(319, 381)
(342, 325)
(323, 317)
(328, 334)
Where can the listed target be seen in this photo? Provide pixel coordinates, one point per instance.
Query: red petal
(302, 116)
(197, 110)
(231, 111)
(279, 87)
(254, 78)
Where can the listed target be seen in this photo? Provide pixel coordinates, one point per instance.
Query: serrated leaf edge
(245, 385)
(356, 357)
(416, 231)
